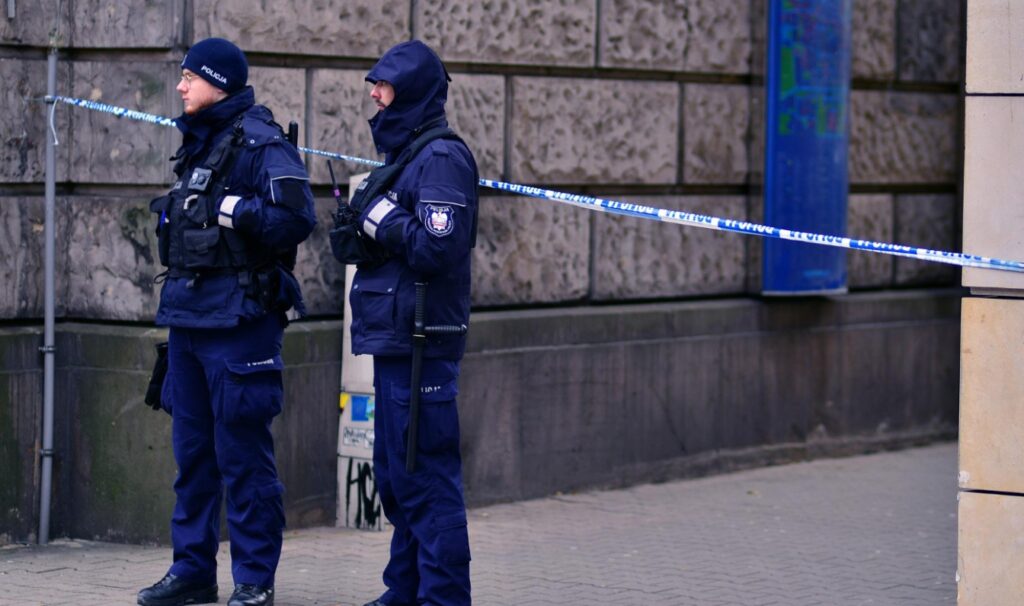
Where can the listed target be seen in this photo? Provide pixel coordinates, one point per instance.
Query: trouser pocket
(252, 390)
(438, 415)
(451, 539)
(266, 508)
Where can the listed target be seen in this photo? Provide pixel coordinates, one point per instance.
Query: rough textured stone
(869, 217)
(476, 111)
(716, 138)
(577, 131)
(873, 39)
(758, 37)
(24, 121)
(640, 259)
(33, 22)
(903, 137)
(697, 36)
(529, 32)
(320, 276)
(126, 24)
(111, 259)
(340, 106)
(356, 28)
(530, 250)
(105, 149)
(930, 37)
(283, 90)
(22, 256)
(926, 221)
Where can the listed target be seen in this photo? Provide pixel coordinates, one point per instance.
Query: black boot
(173, 590)
(251, 595)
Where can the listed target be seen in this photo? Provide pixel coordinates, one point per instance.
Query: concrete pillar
(991, 477)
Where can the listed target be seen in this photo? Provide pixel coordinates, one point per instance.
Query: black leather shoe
(377, 602)
(173, 590)
(251, 595)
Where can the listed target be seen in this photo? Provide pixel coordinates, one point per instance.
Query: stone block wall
(613, 98)
(658, 102)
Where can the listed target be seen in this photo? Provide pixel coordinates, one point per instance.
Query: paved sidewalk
(877, 529)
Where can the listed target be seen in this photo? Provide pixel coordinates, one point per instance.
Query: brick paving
(874, 530)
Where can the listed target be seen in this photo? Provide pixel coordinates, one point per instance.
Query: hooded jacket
(427, 221)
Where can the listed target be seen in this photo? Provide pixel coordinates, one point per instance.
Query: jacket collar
(200, 128)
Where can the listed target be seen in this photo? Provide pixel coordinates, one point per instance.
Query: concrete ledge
(114, 465)
(567, 399)
(551, 400)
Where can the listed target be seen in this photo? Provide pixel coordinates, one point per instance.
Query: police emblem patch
(439, 220)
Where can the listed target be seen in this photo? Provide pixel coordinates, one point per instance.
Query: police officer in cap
(228, 232)
(426, 225)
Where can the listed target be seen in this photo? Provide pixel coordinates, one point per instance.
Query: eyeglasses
(188, 79)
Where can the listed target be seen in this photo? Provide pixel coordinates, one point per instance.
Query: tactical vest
(348, 244)
(191, 243)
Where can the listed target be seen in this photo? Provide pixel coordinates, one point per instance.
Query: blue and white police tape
(629, 209)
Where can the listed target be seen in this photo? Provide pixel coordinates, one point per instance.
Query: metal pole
(10, 9)
(48, 348)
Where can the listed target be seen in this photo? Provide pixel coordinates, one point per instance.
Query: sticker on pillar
(362, 407)
(358, 500)
(355, 435)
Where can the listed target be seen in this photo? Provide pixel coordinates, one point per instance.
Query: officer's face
(197, 94)
(382, 94)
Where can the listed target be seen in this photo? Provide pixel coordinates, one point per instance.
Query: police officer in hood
(228, 232)
(426, 224)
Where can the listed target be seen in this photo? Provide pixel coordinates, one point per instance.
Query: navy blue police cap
(219, 62)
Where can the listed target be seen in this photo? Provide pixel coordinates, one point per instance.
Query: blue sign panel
(808, 89)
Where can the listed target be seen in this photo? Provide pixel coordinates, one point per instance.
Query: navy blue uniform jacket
(267, 200)
(427, 221)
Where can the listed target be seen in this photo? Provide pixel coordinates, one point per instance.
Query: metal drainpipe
(48, 347)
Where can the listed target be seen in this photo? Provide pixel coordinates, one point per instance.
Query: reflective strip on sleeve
(380, 210)
(226, 214)
(377, 213)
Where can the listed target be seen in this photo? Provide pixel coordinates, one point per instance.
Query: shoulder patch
(439, 219)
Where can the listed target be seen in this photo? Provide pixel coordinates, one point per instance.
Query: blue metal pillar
(807, 134)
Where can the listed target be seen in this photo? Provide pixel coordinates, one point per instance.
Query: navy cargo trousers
(223, 389)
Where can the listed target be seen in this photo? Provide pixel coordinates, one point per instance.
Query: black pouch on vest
(201, 247)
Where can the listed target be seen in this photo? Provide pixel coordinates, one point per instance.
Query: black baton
(419, 339)
(293, 133)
